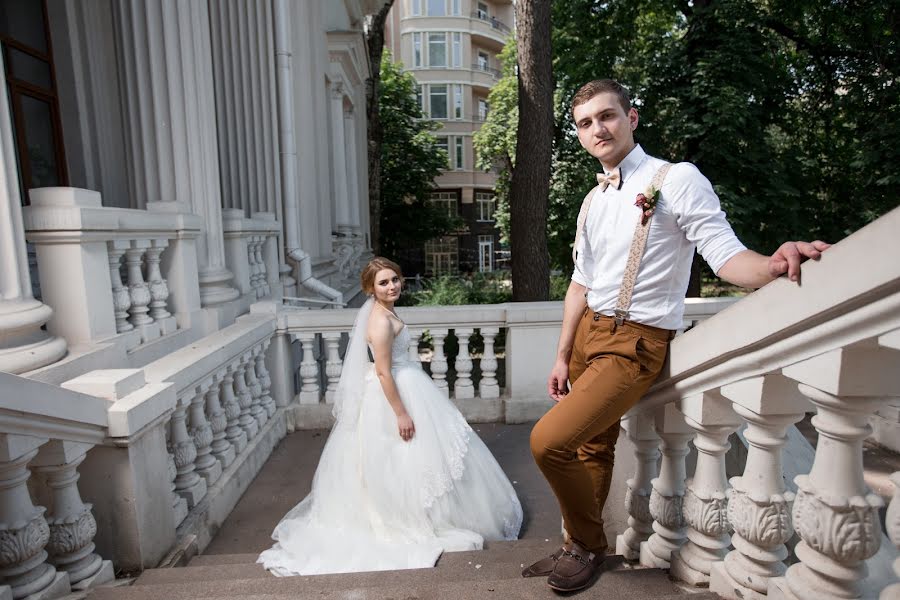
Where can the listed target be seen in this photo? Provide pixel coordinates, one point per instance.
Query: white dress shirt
(687, 216)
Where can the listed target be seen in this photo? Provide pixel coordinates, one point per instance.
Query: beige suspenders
(638, 244)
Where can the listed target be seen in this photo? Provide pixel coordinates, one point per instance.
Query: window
(415, 7)
(484, 206)
(437, 98)
(457, 49)
(442, 255)
(442, 144)
(457, 101)
(417, 49)
(483, 60)
(482, 11)
(437, 8)
(485, 253)
(482, 109)
(455, 7)
(420, 99)
(458, 153)
(437, 49)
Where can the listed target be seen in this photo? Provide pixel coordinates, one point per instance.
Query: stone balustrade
(251, 253)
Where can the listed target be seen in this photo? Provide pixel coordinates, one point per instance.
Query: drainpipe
(285, 81)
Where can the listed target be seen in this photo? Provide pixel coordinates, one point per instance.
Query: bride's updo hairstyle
(367, 277)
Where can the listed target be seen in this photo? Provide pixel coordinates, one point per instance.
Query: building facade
(451, 47)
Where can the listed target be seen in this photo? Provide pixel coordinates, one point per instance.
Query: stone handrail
(251, 252)
(762, 364)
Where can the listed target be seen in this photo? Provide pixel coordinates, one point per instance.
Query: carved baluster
(262, 374)
(705, 503)
(667, 497)
(24, 532)
(233, 431)
(439, 361)
(121, 297)
(159, 288)
(413, 348)
(892, 525)
(179, 504)
(206, 464)
(642, 433)
(247, 422)
(759, 504)
(221, 448)
(309, 370)
(488, 387)
(251, 263)
(188, 482)
(256, 408)
(463, 387)
(263, 274)
(333, 363)
(72, 525)
(137, 288)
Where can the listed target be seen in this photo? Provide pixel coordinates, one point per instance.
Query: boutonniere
(646, 201)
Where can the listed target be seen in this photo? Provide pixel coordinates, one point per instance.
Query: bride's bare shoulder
(379, 327)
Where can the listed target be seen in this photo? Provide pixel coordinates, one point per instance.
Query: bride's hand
(406, 427)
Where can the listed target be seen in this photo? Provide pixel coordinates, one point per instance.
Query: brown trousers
(574, 443)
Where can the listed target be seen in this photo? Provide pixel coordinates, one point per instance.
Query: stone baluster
(488, 387)
(221, 448)
(24, 531)
(642, 433)
(233, 431)
(414, 335)
(892, 525)
(245, 399)
(260, 260)
(137, 287)
(667, 497)
(439, 361)
(463, 387)
(333, 363)
(159, 287)
(72, 525)
(179, 504)
(188, 482)
(262, 374)
(309, 370)
(257, 411)
(201, 432)
(705, 504)
(254, 266)
(759, 503)
(121, 297)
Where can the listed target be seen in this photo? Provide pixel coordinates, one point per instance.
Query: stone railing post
(705, 503)
(235, 435)
(188, 482)
(488, 386)
(463, 387)
(72, 525)
(257, 411)
(439, 360)
(414, 335)
(201, 432)
(137, 287)
(333, 363)
(759, 503)
(179, 504)
(667, 497)
(218, 421)
(121, 297)
(159, 287)
(892, 524)
(247, 421)
(265, 381)
(309, 369)
(642, 433)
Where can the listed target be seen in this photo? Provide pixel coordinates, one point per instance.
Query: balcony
(495, 73)
(494, 22)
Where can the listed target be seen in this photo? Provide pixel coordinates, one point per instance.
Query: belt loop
(612, 326)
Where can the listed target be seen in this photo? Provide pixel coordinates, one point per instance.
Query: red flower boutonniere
(647, 203)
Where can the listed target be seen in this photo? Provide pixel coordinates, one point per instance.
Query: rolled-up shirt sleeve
(700, 216)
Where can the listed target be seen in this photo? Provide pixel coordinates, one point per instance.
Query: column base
(307, 398)
(104, 575)
(225, 455)
(649, 559)
(211, 472)
(214, 288)
(250, 427)
(721, 583)
(683, 572)
(239, 442)
(179, 510)
(57, 588)
(623, 549)
(193, 494)
(27, 346)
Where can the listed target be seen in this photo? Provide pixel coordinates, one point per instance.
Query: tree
(410, 160)
(530, 180)
(374, 35)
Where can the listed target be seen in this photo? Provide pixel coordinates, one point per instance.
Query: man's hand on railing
(789, 255)
(558, 382)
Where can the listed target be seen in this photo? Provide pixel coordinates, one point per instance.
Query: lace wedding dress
(380, 503)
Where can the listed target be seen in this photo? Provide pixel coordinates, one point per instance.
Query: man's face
(604, 129)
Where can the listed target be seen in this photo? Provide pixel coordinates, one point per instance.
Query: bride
(402, 477)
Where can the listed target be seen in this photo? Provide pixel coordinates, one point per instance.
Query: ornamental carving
(667, 510)
(707, 515)
(23, 543)
(121, 300)
(140, 295)
(202, 435)
(638, 505)
(245, 399)
(218, 422)
(232, 410)
(72, 535)
(848, 531)
(159, 291)
(185, 453)
(765, 523)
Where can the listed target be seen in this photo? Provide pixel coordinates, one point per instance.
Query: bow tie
(613, 179)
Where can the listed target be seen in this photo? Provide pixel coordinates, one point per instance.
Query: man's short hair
(601, 86)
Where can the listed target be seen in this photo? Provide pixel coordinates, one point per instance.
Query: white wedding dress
(380, 503)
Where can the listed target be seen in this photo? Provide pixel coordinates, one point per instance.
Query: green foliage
(410, 161)
(452, 290)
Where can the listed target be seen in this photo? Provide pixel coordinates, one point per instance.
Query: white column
(642, 433)
(265, 380)
(170, 111)
(333, 364)
(24, 346)
(256, 408)
(247, 422)
(188, 483)
(463, 386)
(488, 387)
(218, 421)
(352, 169)
(309, 370)
(439, 361)
(233, 432)
(339, 159)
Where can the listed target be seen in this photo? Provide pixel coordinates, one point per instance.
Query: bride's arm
(381, 335)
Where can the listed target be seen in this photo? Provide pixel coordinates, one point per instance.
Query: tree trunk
(530, 180)
(375, 132)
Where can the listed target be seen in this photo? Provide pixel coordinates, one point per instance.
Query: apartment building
(451, 47)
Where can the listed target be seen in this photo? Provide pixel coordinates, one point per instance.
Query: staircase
(492, 572)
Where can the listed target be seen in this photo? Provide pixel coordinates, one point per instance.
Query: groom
(621, 311)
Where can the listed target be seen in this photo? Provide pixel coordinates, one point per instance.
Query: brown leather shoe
(543, 567)
(576, 569)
